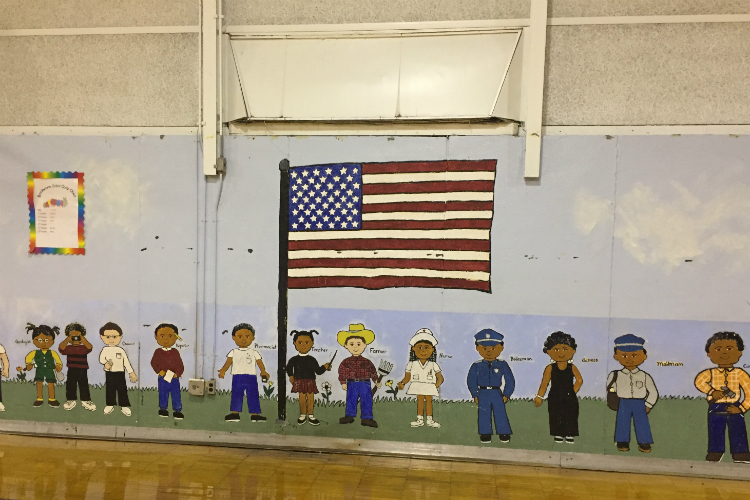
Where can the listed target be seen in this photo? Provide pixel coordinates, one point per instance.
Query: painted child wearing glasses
(116, 363)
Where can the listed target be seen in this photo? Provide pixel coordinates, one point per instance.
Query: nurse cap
(423, 334)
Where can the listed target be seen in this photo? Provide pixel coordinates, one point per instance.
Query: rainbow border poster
(56, 208)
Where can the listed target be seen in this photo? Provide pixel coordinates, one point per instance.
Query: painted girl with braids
(46, 361)
(302, 370)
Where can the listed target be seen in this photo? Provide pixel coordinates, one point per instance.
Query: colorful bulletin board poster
(56, 207)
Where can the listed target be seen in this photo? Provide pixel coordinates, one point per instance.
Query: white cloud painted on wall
(590, 210)
(113, 196)
(665, 232)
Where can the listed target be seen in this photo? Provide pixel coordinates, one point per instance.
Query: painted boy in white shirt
(116, 363)
(244, 381)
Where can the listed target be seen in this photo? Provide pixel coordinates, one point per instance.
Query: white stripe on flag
(365, 272)
(429, 234)
(449, 215)
(427, 177)
(389, 254)
(439, 197)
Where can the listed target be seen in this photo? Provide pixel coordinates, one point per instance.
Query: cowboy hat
(356, 330)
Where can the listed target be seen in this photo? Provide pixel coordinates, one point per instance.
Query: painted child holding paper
(167, 363)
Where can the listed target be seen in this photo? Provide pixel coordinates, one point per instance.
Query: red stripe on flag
(428, 224)
(391, 244)
(429, 166)
(426, 206)
(387, 282)
(428, 187)
(435, 264)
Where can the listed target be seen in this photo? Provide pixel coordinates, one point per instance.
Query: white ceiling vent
(381, 77)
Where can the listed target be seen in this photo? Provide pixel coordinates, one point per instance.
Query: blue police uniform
(485, 382)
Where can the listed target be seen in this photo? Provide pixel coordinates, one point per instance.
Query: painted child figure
(566, 381)
(116, 363)
(167, 363)
(244, 381)
(46, 361)
(4, 372)
(355, 374)
(76, 348)
(302, 370)
(491, 384)
(425, 376)
(637, 393)
(728, 392)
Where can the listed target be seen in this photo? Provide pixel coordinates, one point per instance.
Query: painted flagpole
(283, 306)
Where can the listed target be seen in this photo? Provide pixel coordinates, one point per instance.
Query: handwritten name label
(319, 349)
(262, 346)
(589, 360)
(180, 346)
(23, 342)
(443, 355)
(516, 358)
(128, 343)
(668, 363)
(377, 351)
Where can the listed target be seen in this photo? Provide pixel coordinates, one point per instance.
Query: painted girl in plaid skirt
(302, 370)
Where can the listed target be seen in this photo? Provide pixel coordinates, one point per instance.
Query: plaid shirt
(357, 367)
(734, 378)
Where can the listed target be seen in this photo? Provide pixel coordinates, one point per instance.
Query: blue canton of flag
(325, 197)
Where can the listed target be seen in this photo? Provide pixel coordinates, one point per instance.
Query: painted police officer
(491, 384)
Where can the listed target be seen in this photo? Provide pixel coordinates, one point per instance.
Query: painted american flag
(381, 225)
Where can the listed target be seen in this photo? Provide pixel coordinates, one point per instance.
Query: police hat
(488, 337)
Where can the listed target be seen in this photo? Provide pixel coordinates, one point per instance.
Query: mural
(426, 325)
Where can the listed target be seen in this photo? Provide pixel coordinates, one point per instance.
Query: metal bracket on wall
(535, 88)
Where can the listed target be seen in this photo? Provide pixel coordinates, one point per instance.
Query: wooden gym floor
(47, 468)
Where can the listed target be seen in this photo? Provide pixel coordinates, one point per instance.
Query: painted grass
(678, 424)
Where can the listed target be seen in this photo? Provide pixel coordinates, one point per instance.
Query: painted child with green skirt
(46, 361)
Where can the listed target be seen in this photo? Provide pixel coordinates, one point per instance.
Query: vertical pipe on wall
(209, 69)
(535, 95)
(283, 306)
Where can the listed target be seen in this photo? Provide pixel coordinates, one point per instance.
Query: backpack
(613, 400)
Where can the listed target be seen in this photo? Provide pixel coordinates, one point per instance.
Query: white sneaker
(69, 405)
(419, 422)
(108, 409)
(432, 423)
(126, 411)
(2, 407)
(88, 405)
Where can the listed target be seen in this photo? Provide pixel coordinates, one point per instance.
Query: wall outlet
(196, 386)
(211, 386)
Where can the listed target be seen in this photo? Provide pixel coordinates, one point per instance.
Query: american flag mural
(380, 225)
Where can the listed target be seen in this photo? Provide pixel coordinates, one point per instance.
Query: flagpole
(283, 306)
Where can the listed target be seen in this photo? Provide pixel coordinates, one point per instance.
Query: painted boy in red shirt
(167, 363)
(355, 373)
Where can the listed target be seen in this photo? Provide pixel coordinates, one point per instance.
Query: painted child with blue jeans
(167, 363)
(243, 361)
(355, 374)
(727, 388)
(637, 393)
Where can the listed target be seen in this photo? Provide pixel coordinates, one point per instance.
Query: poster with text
(56, 208)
